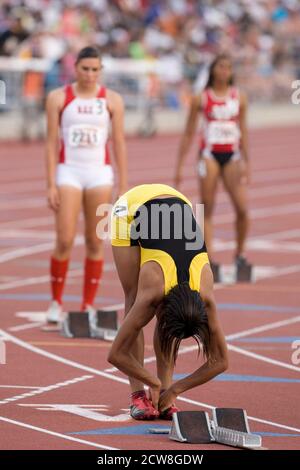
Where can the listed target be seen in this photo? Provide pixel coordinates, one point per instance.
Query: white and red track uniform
(221, 131)
(84, 160)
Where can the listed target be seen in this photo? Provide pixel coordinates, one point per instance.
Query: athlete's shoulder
(114, 96)
(56, 97)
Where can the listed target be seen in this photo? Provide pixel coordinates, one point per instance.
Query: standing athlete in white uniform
(223, 149)
(79, 172)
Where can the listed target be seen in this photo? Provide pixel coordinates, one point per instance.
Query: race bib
(84, 136)
(219, 132)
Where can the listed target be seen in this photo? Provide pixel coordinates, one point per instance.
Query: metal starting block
(103, 324)
(232, 274)
(229, 426)
(76, 325)
(107, 325)
(192, 427)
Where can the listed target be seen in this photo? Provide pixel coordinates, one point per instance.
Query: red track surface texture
(57, 393)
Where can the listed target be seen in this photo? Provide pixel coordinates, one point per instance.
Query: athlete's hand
(154, 392)
(53, 198)
(244, 172)
(167, 399)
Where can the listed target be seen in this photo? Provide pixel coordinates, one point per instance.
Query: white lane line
(259, 357)
(55, 357)
(252, 418)
(18, 386)
(260, 213)
(56, 434)
(97, 372)
(26, 326)
(259, 329)
(218, 220)
(240, 334)
(49, 388)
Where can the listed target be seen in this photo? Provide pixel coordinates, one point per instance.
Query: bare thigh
(94, 229)
(209, 182)
(66, 219)
(127, 260)
(236, 189)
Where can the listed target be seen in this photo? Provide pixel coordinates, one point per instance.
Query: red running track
(57, 393)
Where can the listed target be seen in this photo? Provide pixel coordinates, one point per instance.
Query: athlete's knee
(208, 207)
(93, 245)
(241, 212)
(64, 245)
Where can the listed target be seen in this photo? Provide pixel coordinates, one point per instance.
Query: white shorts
(84, 178)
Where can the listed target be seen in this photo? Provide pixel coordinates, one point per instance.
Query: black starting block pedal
(231, 418)
(192, 427)
(106, 325)
(230, 427)
(231, 274)
(76, 325)
(243, 272)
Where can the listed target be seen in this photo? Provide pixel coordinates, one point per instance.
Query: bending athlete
(164, 270)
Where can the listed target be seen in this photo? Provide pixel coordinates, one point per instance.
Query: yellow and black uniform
(159, 226)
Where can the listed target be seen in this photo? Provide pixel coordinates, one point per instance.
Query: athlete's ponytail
(182, 315)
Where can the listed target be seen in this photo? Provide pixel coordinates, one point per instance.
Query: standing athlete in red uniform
(223, 148)
(79, 173)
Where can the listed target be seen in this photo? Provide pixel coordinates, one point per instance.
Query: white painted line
(18, 386)
(259, 357)
(260, 213)
(26, 326)
(210, 407)
(84, 412)
(103, 374)
(56, 434)
(74, 273)
(57, 358)
(259, 329)
(49, 388)
(240, 334)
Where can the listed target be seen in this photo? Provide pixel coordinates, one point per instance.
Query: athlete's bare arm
(116, 109)
(54, 104)
(150, 293)
(187, 137)
(218, 359)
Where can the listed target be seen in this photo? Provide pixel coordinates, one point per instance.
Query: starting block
(232, 274)
(228, 426)
(101, 324)
(107, 325)
(76, 325)
(192, 427)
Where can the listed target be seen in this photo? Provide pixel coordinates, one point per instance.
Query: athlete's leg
(209, 173)
(237, 191)
(92, 199)
(66, 219)
(127, 260)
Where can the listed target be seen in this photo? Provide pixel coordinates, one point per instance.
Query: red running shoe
(168, 413)
(141, 407)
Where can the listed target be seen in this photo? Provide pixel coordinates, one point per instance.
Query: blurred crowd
(263, 36)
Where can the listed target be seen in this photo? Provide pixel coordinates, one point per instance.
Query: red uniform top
(221, 131)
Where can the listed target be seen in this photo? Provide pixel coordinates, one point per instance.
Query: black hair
(182, 315)
(87, 53)
(217, 59)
